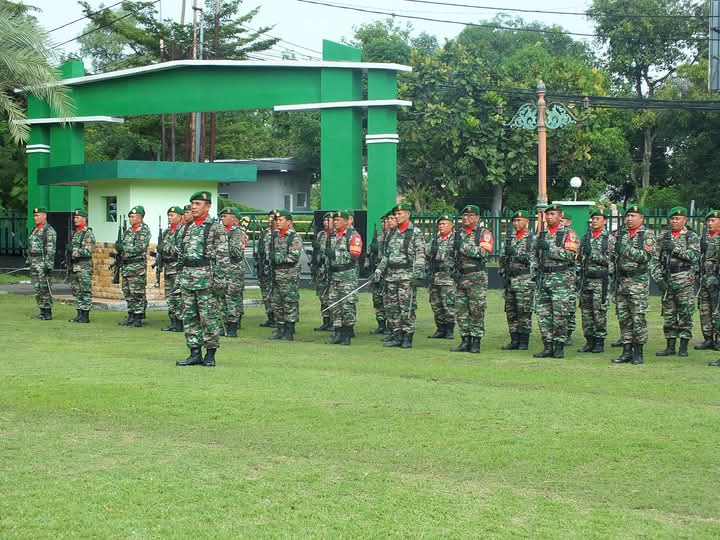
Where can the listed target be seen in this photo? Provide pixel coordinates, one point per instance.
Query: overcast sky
(307, 25)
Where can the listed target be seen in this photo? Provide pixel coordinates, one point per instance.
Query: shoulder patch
(571, 241)
(486, 241)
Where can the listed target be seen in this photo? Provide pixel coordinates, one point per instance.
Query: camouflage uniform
(403, 267)
(556, 272)
(594, 288)
(284, 250)
(264, 274)
(343, 276)
(134, 268)
(42, 243)
(83, 245)
(519, 287)
(204, 255)
(237, 240)
(322, 287)
(709, 296)
(675, 273)
(377, 289)
(170, 250)
(441, 255)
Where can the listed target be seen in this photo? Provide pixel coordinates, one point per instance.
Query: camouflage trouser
(553, 306)
(323, 293)
(285, 296)
(133, 288)
(400, 302)
(264, 284)
(572, 315)
(345, 313)
(41, 286)
(518, 305)
(678, 308)
(709, 322)
(234, 299)
(594, 310)
(470, 304)
(632, 305)
(172, 296)
(377, 300)
(201, 318)
(81, 287)
(442, 302)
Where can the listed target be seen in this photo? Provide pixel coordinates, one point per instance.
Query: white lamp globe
(575, 182)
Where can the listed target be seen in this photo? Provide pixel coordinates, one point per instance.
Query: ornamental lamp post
(575, 183)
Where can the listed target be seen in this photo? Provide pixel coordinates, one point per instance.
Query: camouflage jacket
(319, 257)
(284, 250)
(632, 256)
(710, 257)
(441, 259)
(170, 249)
(237, 240)
(522, 262)
(561, 256)
(204, 254)
(41, 248)
(597, 261)
(404, 255)
(474, 247)
(347, 249)
(135, 246)
(679, 263)
(83, 246)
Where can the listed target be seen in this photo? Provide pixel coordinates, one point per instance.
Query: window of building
(224, 195)
(111, 209)
(288, 202)
(301, 200)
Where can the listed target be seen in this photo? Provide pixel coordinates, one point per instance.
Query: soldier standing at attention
(133, 248)
(42, 243)
(237, 240)
(594, 281)
(557, 248)
(169, 253)
(391, 229)
(473, 246)
(566, 222)
(284, 251)
(343, 255)
(634, 250)
(376, 250)
(441, 255)
(202, 279)
(710, 285)
(264, 267)
(82, 245)
(518, 264)
(404, 268)
(322, 287)
(679, 254)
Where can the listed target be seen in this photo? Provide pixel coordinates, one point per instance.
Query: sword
(16, 270)
(348, 295)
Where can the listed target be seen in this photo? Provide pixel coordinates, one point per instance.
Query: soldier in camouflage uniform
(81, 271)
(343, 255)
(566, 222)
(473, 246)
(376, 289)
(633, 249)
(557, 248)
(403, 267)
(42, 243)
(202, 279)
(517, 266)
(679, 253)
(237, 240)
(284, 250)
(709, 296)
(263, 266)
(594, 281)
(390, 230)
(169, 250)
(133, 248)
(441, 266)
(320, 272)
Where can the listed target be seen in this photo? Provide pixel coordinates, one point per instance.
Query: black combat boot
(180, 325)
(464, 345)
(345, 335)
(683, 350)
(380, 327)
(326, 325)
(129, 320)
(626, 356)
(524, 341)
(336, 337)
(547, 351)
(209, 360)
(617, 343)
(85, 316)
(669, 349)
(239, 322)
(395, 340)
(450, 331)
(47, 312)
(714, 363)
(707, 344)
(589, 344)
(137, 321)
(474, 345)
(598, 345)
(407, 338)
(637, 353)
(279, 331)
(514, 342)
(439, 332)
(170, 327)
(231, 329)
(559, 350)
(78, 316)
(289, 332)
(269, 322)
(195, 358)
(40, 315)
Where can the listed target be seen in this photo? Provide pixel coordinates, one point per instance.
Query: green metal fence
(13, 232)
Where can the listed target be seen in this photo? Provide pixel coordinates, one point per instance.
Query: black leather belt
(342, 267)
(677, 268)
(471, 269)
(196, 264)
(132, 260)
(632, 273)
(283, 265)
(399, 266)
(596, 274)
(558, 268)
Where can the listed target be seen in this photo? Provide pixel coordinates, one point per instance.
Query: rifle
(505, 260)
(584, 260)
(327, 261)
(67, 261)
(616, 257)
(158, 265)
(666, 260)
(269, 260)
(541, 257)
(457, 244)
(116, 266)
(701, 266)
(372, 251)
(431, 264)
(315, 255)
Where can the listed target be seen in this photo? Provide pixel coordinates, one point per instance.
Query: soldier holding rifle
(42, 244)
(709, 293)
(441, 269)
(80, 265)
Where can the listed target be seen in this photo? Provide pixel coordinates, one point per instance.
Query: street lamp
(575, 183)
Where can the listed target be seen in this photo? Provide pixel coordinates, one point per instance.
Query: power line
(85, 17)
(499, 27)
(280, 39)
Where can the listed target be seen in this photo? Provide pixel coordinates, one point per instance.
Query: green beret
(597, 211)
(80, 212)
(636, 209)
(391, 212)
(284, 213)
(402, 206)
(678, 211)
(175, 210)
(345, 214)
(232, 210)
(201, 196)
(350, 212)
(187, 208)
(137, 210)
(39, 210)
(521, 214)
(444, 217)
(471, 209)
(328, 215)
(273, 212)
(712, 213)
(554, 208)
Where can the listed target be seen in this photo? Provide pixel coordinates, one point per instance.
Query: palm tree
(25, 56)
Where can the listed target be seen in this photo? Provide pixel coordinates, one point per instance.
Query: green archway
(333, 86)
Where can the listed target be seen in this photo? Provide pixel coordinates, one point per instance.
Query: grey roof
(267, 164)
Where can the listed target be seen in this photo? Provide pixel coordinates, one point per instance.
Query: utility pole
(198, 46)
(714, 49)
(216, 55)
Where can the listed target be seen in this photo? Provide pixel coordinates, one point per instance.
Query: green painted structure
(334, 86)
(578, 212)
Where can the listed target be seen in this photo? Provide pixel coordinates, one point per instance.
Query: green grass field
(101, 436)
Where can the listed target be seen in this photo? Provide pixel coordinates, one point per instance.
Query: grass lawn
(101, 436)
